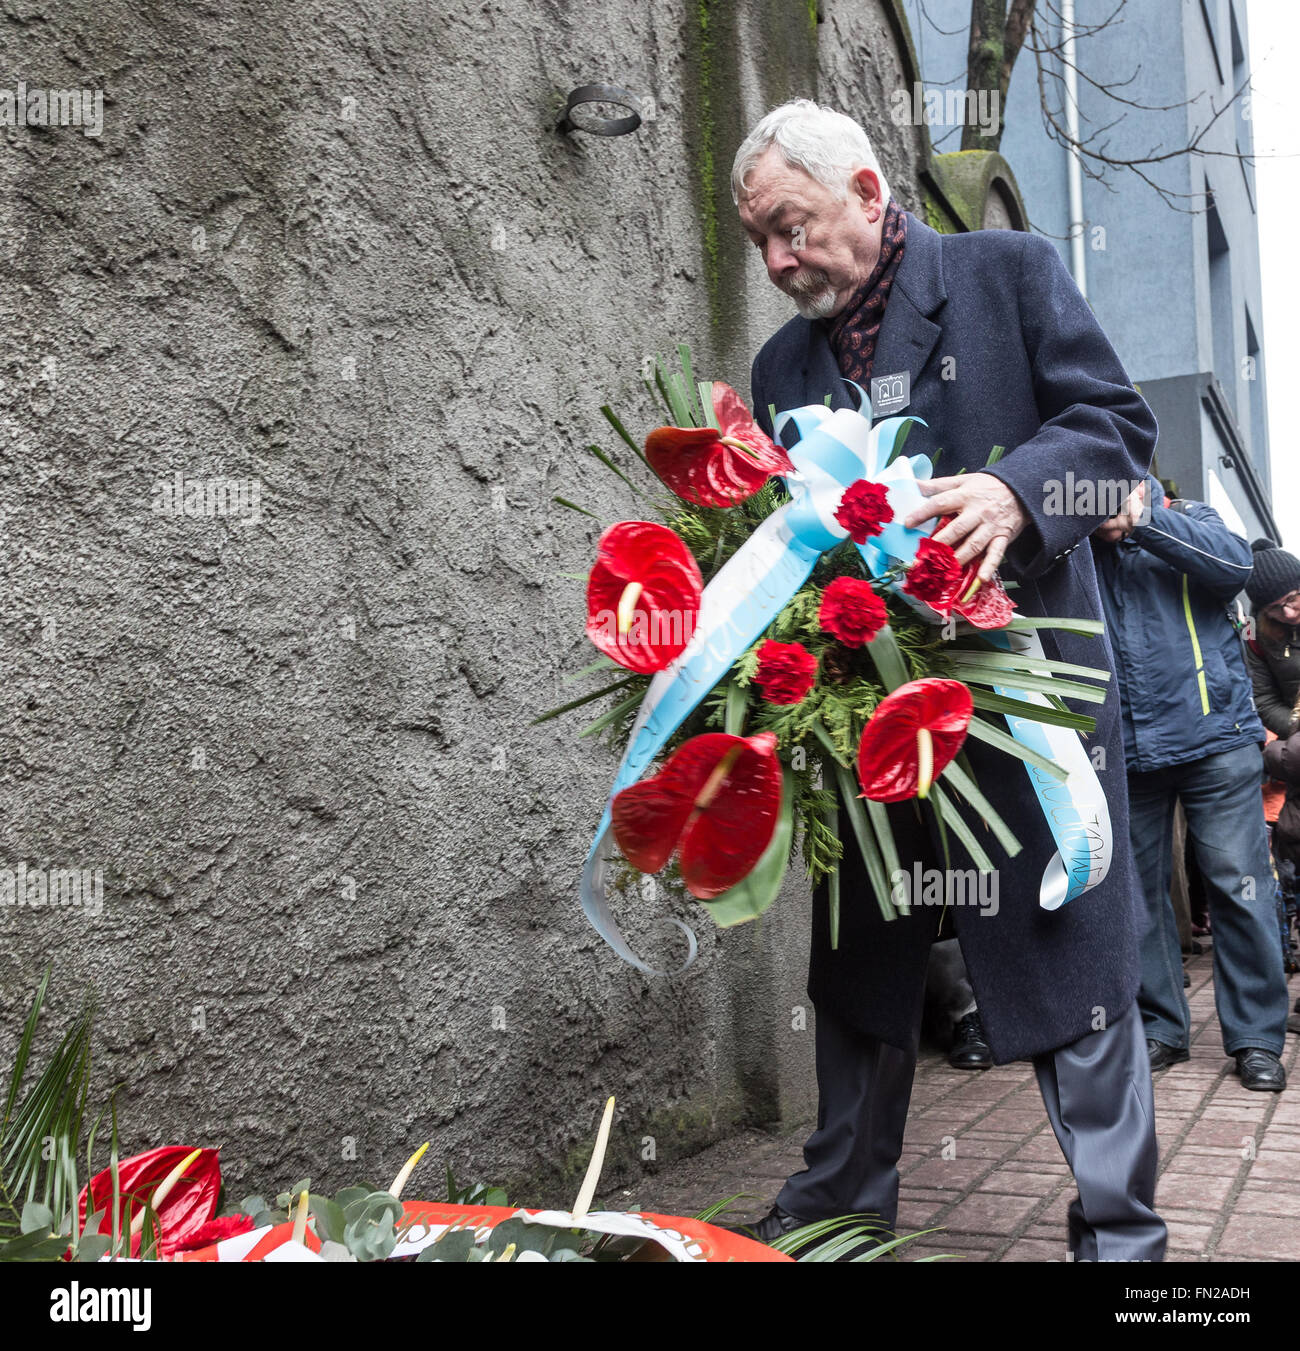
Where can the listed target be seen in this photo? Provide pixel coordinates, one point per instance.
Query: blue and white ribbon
(1075, 809)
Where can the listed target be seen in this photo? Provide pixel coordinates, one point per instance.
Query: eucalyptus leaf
(36, 1218)
(92, 1247)
(526, 1237)
(330, 1222)
(289, 1198)
(350, 1194)
(38, 1246)
(370, 1233)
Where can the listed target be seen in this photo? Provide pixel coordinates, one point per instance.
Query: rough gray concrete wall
(336, 252)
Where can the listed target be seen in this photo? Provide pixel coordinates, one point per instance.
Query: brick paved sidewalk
(1229, 1184)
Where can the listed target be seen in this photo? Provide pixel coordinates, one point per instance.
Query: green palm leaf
(39, 1139)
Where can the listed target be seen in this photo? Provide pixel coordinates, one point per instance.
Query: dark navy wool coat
(1002, 349)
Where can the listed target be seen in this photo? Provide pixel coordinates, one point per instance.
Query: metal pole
(1077, 260)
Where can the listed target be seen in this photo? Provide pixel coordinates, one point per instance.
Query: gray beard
(813, 295)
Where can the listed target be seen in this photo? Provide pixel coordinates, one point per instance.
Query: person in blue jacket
(1167, 576)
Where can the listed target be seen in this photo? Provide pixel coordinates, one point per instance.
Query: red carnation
(935, 576)
(786, 672)
(852, 612)
(985, 605)
(864, 510)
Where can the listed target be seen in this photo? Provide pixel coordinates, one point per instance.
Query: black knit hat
(1276, 574)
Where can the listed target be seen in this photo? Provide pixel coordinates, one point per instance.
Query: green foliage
(41, 1138)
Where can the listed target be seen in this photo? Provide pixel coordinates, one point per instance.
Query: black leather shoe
(775, 1223)
(1260, 1069)
(969, 1049)
(1163, 1056)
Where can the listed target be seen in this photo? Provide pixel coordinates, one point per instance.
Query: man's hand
(1121, 526)
(987, 516)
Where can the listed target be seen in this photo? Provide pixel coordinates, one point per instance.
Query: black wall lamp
(595, 124)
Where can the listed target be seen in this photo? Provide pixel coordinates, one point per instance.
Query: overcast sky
(1274, 40)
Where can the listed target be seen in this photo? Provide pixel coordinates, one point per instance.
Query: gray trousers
(1098, 1096)
(947, 983)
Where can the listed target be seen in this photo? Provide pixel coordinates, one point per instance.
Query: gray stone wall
(337, 254)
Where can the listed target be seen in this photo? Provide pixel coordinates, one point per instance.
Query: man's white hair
(826, 144)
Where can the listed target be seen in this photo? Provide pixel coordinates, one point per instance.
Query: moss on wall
(717, 122)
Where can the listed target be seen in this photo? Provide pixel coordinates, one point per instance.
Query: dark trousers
(1098, 1096)
(1225, 822)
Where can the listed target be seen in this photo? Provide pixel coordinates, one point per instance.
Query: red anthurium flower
(715, 803)
(643, 595)
(864, 510)
(934, 576)
(189, 1203)
(228, 1226)
(911, 737)
(786, 672)
(717, 468)
(852, 612)
(984, 604)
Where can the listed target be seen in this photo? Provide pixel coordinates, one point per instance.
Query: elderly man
(986, 338)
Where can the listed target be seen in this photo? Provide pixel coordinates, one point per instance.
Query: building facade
(1174, 280)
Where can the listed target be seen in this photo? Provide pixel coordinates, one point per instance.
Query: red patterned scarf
(854, 330)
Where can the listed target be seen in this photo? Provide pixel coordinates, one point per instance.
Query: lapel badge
(890, 393)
